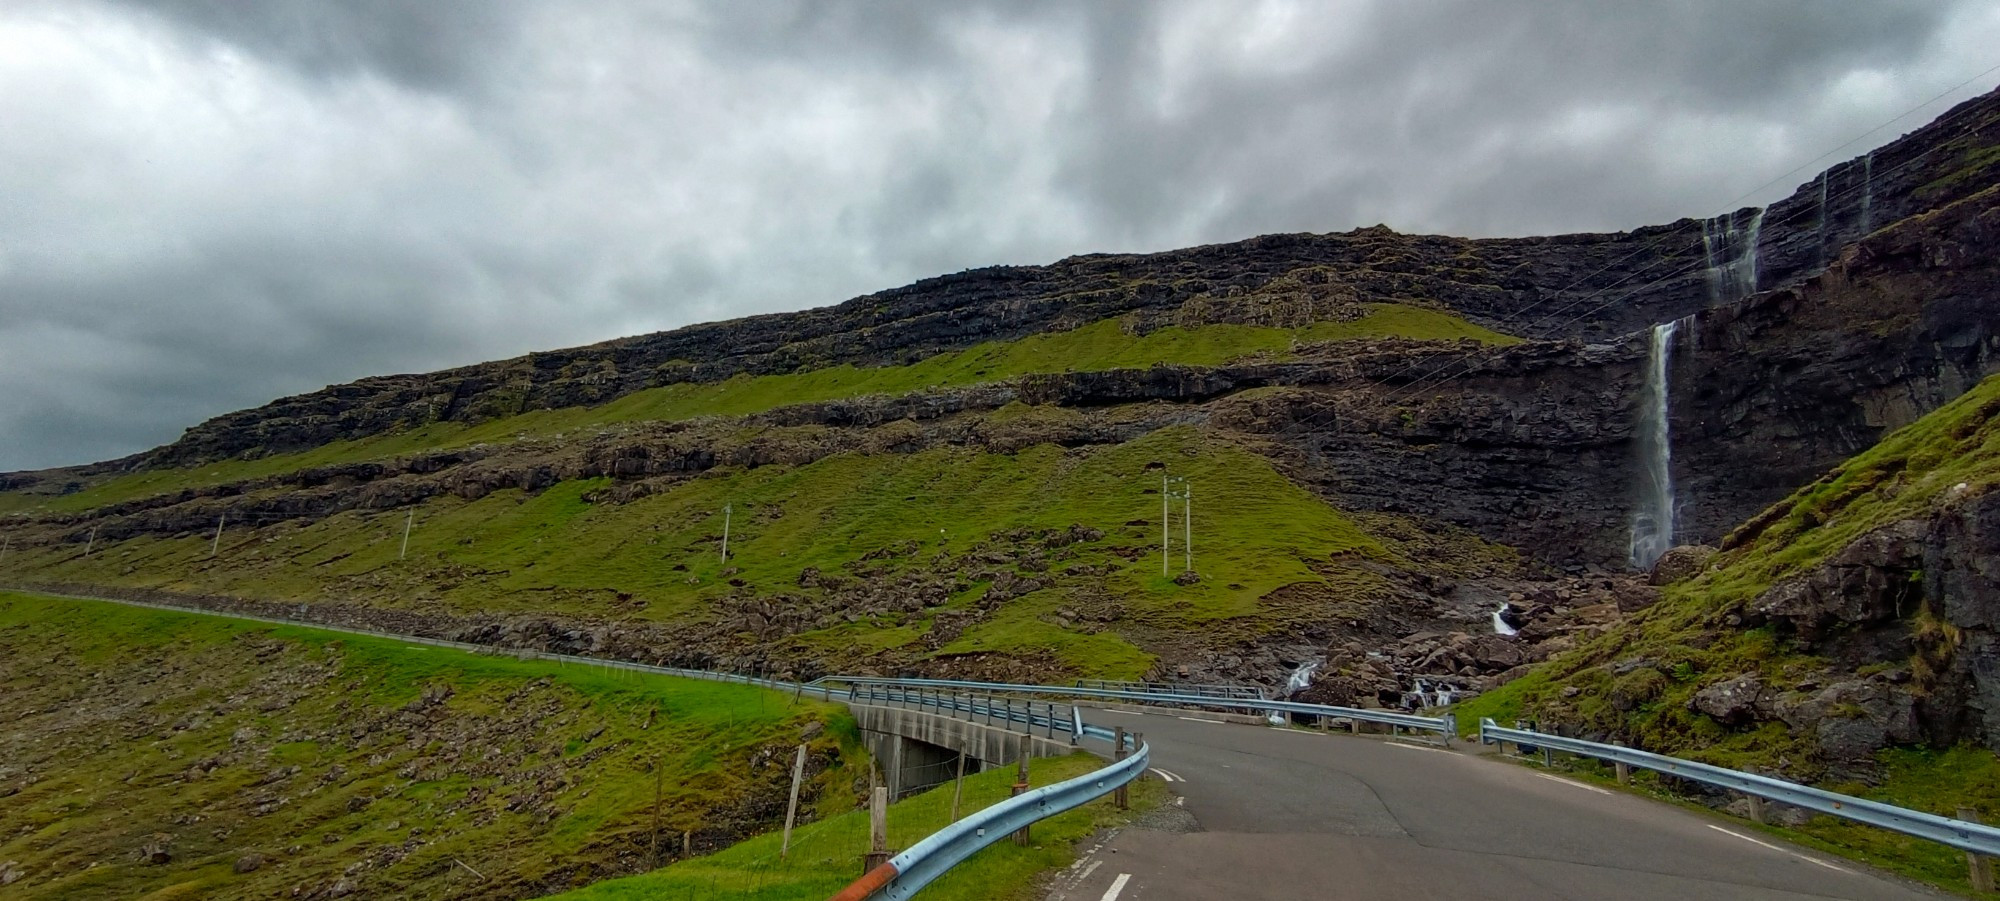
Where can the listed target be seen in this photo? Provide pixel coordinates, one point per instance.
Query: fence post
(1981, 869)
(1122, 798)
(1624, 769)
(792, 809)
(1021, 779)
(1756, 809)
(878, 830)
(958, 787)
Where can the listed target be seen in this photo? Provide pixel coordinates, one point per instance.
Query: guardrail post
(1624, 769)
(1122, 798)
(1981, 868)
(1756, 809)
(878, 830)
(1021, 779)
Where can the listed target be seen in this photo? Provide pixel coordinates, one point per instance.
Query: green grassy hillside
(165, 755)
(901, 543)
(1638, 680)
(1100, 346)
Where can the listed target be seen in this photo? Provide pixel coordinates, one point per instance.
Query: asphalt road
(1296, 815)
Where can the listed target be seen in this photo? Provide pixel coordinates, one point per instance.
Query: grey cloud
(212, 204)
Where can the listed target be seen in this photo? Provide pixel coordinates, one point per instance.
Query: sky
(208, 204)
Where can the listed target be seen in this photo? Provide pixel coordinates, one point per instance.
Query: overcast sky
(206, 204)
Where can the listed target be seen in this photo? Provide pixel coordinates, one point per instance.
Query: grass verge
(826, 856)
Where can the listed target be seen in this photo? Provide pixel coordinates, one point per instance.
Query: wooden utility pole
(92, 542)
(792, 809)
(216, 545)
(408, 521)
(725, 533)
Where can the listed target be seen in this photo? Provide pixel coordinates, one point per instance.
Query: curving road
(1297, 815)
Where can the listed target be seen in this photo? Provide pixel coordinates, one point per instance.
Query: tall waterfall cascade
(1653, 520)
(1729, 249)
(1868, 193)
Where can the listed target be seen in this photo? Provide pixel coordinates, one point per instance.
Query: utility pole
(1187, 533)
(216, 545)
(6, 544)
(407, 523)
(1166, 537)
(725, 533)
(87, 545)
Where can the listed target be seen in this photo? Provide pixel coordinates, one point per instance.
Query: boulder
(1732, 702)
(1680, 563)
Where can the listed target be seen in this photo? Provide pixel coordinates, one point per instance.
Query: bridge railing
(1965, 836)
(906, 873)
(1197, 689)
(1443, 726)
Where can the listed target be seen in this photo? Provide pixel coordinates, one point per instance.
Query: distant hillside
(162, 755)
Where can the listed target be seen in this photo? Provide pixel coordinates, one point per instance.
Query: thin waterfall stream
(1653, 521)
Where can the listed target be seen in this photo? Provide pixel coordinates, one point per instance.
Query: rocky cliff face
(1589, 287)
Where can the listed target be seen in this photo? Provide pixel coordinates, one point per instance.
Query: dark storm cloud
(211, 204)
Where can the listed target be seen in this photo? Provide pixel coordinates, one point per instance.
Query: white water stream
(1653, 520)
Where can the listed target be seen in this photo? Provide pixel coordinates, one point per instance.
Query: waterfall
(1823, 178)
(1653, 522)
(1868, 193)
(1729, 250)
(1301, 678)
(1500, 626)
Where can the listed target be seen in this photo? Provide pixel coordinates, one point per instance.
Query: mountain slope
(187, 755)
(961, 476)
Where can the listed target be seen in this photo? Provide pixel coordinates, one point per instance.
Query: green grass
(539, 775)
(1099, 346)
(826, 856)
(656, 558)
(1686, 641)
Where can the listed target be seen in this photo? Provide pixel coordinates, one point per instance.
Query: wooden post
(878, 829)
(1979, 866)
(792, 809)
(958, 787)
(1624, 769)
(1756, 809)
(1119, 794)
(1021, 779)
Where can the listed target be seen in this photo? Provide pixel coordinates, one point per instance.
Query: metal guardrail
(1973, 837)
(1051, 719)
(1198, 689)
(907, 873)
(1445, 726)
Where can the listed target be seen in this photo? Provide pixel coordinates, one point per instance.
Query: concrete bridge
(919, 749)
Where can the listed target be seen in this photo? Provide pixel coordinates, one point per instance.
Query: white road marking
(1196, 719)
(1117, 886)
(1779, 849)
(1167, 776)
(1126, 712)
(1398, 744)
(1088, 870)
(1588, 788)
